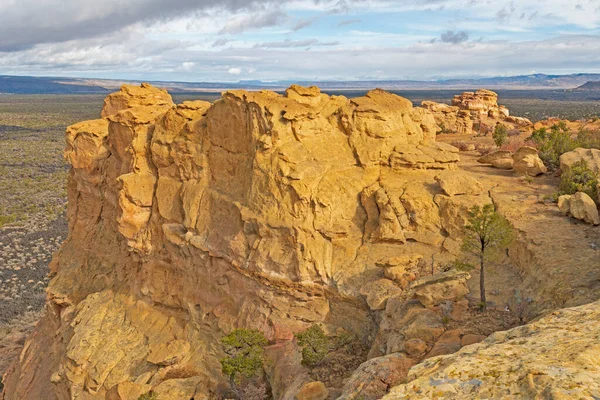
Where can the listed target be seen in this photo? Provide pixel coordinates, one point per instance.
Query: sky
(236, 40)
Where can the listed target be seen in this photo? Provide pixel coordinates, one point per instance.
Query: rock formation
(474, 110)
(579, 206)
(488, 369)
(258, 211)
(278, 212)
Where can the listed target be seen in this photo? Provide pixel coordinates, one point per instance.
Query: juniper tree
(487, 233)
(245, 355)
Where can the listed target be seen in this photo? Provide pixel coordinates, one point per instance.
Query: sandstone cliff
(260, 210)
(276, 212)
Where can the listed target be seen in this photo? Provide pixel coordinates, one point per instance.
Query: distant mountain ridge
(591, 86)
(49, 85)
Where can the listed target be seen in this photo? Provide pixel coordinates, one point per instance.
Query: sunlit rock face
(260, 211)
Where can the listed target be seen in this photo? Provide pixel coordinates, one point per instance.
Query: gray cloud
(25, 23)
(220, 42)
(303, 24)
(293, 43)
(349, 22)
(254, 21)
(454, 37)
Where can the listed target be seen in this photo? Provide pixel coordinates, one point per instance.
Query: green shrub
(7, 219)
(579, 178)
(315, 345)
(149, 396)
(245, 354)
(556, 141)
(553, 143)
(500, 134)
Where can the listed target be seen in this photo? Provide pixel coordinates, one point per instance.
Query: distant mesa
(591, 86)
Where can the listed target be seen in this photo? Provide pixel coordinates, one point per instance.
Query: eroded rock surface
(477, 111)
(258, 211)
(488, 369)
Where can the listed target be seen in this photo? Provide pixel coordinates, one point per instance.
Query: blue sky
(231, 40)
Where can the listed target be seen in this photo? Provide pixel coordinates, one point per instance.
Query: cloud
(234, 71)
(25, 23)
(303, 24)
(254, 21)
(294, 43)
(454, 37)
(349, 22)
(220, 42)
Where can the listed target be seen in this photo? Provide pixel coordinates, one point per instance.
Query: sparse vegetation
(554, 142)
(579, 178)
(486, 234)
(500, 134)
(315, 345)
(149, 396)
(245, 354)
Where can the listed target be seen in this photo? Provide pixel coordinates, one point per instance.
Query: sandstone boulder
(435, 289)
(580, 206)
(313, 391)
(590, 156)
(501, 159)
(373, 378)
(457, 182)
(527, 162)
(557, 357)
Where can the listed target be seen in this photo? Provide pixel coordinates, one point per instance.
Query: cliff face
(258, 211)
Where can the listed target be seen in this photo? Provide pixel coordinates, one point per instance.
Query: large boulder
(527, 162)
(501, 159)
(375, 377)
(580, 206)
(554, 357)
(590, 156)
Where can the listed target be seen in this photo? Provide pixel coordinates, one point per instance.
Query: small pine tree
(245, 354)
(500, 134)
(486, 234)
(315, 345)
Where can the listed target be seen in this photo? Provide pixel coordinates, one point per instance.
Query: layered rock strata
(258, 211)
(477, 111)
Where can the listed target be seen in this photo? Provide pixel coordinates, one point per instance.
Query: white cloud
(234, 71)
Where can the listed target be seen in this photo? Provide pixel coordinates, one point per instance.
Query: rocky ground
(25, 251)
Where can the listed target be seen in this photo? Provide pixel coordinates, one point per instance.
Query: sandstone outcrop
(258, 211)
(501, 159)
(474, 110)
(450, 119)
(579, 206)
(590, 156)
(526, 161)
(488, 369)
(456, 182)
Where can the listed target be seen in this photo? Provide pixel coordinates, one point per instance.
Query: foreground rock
(501, 159)
(590, 156)
(557, 358)
(259, 211)
(579, 206)
(526, 161)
